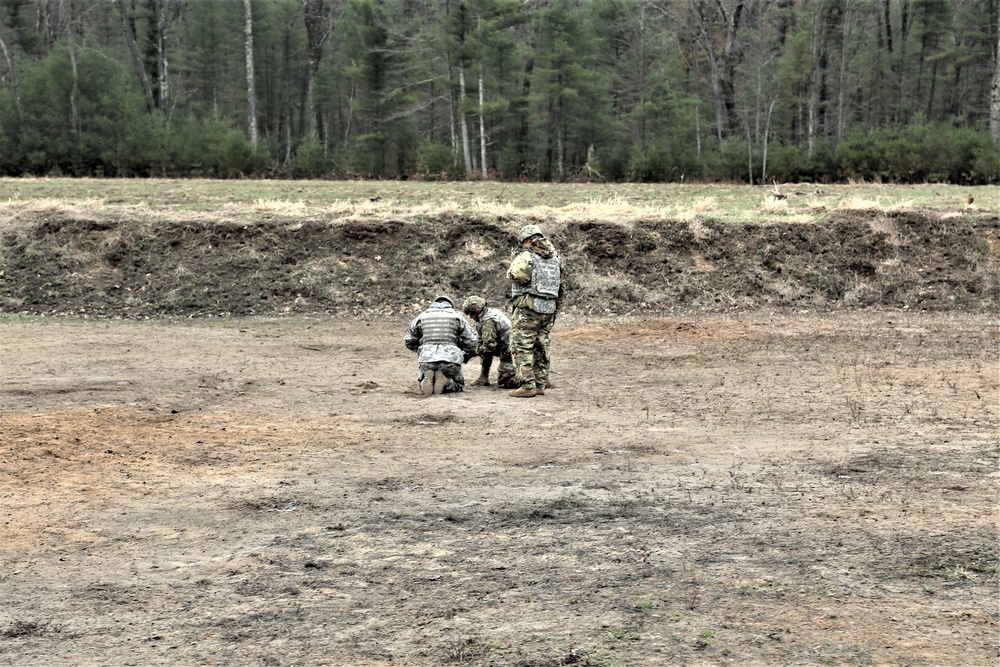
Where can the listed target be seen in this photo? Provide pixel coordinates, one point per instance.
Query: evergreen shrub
(311, 160)
(436, 161)
(922, 153)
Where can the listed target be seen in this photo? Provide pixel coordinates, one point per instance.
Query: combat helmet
(527, 232)
(444, 297)
(474, 305)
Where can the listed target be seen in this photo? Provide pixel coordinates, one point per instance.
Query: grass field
(804, 202)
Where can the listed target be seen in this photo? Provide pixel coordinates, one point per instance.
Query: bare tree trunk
(453, 132)
(288, 137)
(251, 85)
(814, 76)
(561, 139)
(643, 75)
(463, 121)
(136, 57)
(723, 66)
(318, 27)
(714, 70)
(995, 98)
(560, 149)
(13, 76)
(847, 32)
(74, 94)
(350, 112)
(767, 133)
(162, 68)
(697, 128)
(483, 172)
(904, 32)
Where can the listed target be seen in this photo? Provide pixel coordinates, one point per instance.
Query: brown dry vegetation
(772, 442)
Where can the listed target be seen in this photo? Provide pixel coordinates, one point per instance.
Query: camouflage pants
(505, 373)
(456, 381)
(530, 342)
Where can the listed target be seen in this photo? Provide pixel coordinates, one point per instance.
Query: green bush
(784, 163)
(920, 153)
(436, 161)
(733, 162)
(311, 161)
(613, 163)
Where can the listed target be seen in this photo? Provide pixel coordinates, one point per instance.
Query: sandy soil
(730, 490)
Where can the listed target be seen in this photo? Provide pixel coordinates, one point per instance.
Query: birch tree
(13, 77)
(251, 85)
(129, 28)
(995, 97)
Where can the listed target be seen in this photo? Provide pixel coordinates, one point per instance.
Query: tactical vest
(544, 278)
(439, 326)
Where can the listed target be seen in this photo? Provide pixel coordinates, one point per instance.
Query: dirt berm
(57, 262)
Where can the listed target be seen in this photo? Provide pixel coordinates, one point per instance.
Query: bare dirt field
(717, 489)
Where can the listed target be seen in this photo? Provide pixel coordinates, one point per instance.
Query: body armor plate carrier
(544, 278)
(439, 328)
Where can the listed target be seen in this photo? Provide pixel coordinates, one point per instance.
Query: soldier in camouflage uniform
(439, 336)
(537, 284)
(493, 328)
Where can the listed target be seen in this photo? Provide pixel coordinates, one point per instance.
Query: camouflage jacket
(494, 333)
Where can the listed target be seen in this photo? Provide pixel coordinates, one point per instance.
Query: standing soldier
(493, 328)
(537, 283)
(439, 336)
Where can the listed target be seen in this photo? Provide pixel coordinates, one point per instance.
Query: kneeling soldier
(439, 336)
(493, 328)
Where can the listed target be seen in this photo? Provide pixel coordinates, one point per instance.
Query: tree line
(542, 90)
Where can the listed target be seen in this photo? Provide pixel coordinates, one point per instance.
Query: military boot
(524, 392)
(439, 382)
(484, 372)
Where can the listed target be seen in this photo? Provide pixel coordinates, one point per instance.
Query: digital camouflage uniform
(439, 336)
(494, 341)
(493, 328)
(537, 285)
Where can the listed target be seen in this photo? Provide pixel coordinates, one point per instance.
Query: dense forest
(547, 90)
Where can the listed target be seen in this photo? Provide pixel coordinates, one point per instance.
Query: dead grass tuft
(700, 231)
(773, 205)
(859, 204)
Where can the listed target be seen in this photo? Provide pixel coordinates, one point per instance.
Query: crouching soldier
(439, 336)
(493, 328)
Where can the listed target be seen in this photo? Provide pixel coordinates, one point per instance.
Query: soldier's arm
(467, 338)
(411, 339)
(491, 337)
(520, 269)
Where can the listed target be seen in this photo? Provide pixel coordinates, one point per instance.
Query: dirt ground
(744, 489)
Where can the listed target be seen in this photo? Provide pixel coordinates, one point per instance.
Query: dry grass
(622, 203)
(860, 204)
